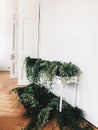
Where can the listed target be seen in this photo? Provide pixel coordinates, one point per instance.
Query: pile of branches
(42, 106)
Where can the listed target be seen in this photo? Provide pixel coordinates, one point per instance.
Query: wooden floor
(11, 111)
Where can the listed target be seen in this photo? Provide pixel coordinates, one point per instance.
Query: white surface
(5, 46)
(28, 35)
(69, 32)
(14, 44)
(66, 92)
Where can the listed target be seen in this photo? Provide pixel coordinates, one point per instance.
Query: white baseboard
(4, 69)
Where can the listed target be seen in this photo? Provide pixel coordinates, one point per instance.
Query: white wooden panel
(28, 35)
(14, 45)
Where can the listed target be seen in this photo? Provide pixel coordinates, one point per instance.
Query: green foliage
(43, 116)
(38, 70)
(42, 105)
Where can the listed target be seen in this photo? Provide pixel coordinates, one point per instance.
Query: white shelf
(68, 80)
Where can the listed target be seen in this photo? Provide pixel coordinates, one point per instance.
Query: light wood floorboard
(11, 111)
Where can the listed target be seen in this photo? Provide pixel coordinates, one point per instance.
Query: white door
(28, 35)
(14, 45)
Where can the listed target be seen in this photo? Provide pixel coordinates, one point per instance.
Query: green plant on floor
(43, 71)
(41, 106)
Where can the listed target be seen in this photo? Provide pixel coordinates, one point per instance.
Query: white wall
(69, 32)
(5, 21)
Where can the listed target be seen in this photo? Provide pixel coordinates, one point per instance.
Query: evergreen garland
(42, 71)
(41, 106)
